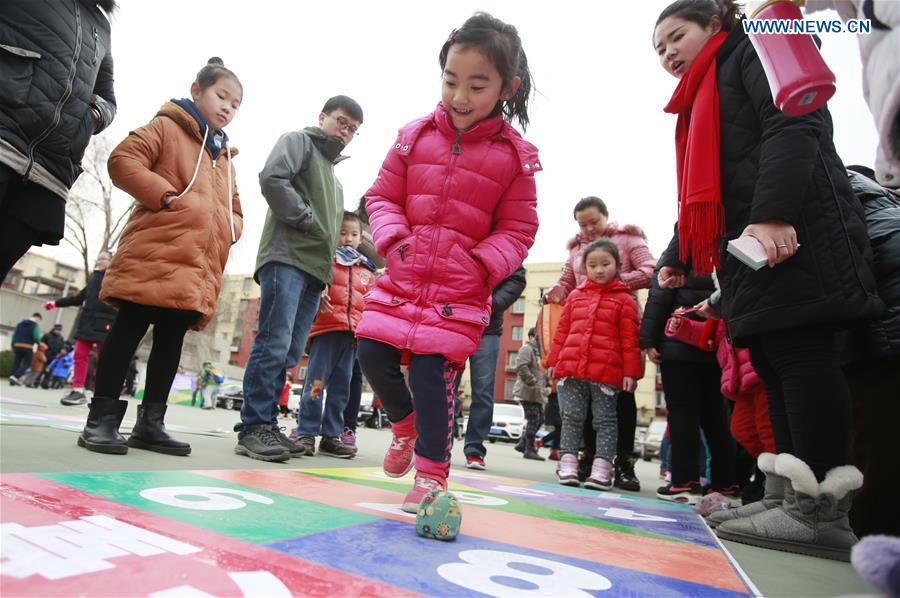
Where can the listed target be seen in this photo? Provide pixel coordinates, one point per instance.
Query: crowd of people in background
(766, 365)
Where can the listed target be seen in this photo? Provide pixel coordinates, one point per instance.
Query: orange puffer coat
(597, 336)
(348, 285)
(173, 256)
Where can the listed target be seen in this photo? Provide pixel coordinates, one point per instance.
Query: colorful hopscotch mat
(340, 532)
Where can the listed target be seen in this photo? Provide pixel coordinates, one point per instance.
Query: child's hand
(550, 297)
(325, 303)
(671, 278)
(777, 237)
(629, 384)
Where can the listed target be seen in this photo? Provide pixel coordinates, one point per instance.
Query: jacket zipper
(349, 298)
(63, 99)
(455, 150)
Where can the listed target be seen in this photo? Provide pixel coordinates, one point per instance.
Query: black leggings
(132, 321)
(695, 402)
(809, 400)
(429, 394)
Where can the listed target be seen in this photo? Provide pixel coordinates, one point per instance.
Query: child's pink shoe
(567, 470)
(398, 459)
(430, 475)
(601, 475)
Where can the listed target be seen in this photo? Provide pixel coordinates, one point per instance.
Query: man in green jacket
(25, 336)
(293, 266)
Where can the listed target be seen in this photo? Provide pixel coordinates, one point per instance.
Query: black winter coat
(54, 342)
(502, 297)
(96, 317)
(881, 337)
(660, 305)
(55, 64)
(778, 167)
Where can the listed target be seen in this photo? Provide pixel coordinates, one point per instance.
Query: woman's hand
(777, 237)
(705, 311)
(671, 278)
(629, 384)
(551, 297)
(654, 356)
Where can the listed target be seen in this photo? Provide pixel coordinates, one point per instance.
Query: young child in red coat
(595, 352)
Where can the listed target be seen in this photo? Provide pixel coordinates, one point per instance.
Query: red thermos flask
(798, 76)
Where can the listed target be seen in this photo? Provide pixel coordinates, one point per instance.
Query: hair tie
(452, 39)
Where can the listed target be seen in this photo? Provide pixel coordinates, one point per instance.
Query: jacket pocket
(16, 70)
(467, 314)
(400, 261)
(464, 272)
(378, 295)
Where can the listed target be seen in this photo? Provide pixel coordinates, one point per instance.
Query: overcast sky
(597, 118)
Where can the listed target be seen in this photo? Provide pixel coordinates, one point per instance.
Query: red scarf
(700, 213)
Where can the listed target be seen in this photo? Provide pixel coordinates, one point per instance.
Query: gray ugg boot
(773, 497)
(812, 520)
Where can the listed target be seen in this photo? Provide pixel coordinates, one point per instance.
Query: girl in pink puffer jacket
(453, 212)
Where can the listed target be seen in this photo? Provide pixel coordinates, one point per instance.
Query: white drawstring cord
(197, 167)
(230, 197)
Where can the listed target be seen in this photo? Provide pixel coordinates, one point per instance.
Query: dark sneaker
(260, 442)
(474, 462)
(625, 476)
(308, 442)
(689, 493)
(333, 447)
(74, 397)
(296, 449)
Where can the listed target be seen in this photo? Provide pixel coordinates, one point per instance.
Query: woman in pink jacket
(637, 267)
(453, 211)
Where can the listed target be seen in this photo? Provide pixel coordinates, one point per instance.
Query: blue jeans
(351, 411)
(330, 368)
(288, 304)
(483, 371)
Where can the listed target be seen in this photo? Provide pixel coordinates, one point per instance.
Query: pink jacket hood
(453, 213)
(637, 261)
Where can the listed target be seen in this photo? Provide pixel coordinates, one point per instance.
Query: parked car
(508, 423)
(231, 396)
(649, 439)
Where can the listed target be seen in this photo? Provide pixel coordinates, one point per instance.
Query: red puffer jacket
(348, 286)
(453, 213)
(597, 336)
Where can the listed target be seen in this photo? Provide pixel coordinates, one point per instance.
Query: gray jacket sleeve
(284, 163)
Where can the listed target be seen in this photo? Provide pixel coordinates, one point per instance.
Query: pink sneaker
(348, 437)
(398, 459)
(567, 470)
(424, 484)
(601, 477)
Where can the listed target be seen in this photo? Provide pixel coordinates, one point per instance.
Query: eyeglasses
(345, 125)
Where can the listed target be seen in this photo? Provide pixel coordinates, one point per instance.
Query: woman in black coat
(872, 356)
(692, 382)
(781, 181)
(57, 91)
(94, 322)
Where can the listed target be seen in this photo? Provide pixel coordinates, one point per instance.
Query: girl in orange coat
(595, 351)
(170, 259)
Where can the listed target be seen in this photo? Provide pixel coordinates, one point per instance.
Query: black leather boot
(149, 432)
(101, 430)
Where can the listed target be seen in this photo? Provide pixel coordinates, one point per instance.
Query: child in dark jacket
(332, 348)
(595, 350)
